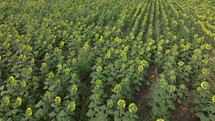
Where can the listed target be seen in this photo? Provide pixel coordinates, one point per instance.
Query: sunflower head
(132, 108)
(57, 100)
(121, 103)
(205, 85)
(160, 119)
(117, 88)
(29, 112)
(213, 98)
(72, 105)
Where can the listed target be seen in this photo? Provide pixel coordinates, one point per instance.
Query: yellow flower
(86, 45)
(108, 54)
(44, 65)
(57, 100)
(98, 82)
(62, 43)
(117, 88)
(56, 49)
(49, 46)
(67, 71)
(29, 111)
(140, 68)
(74, 88)
(208, 46)
(132, 108)
(13, 81)
(172, 88)
(160, 119)
(32, 60)
(29, 48)
(47, 56)
(30, 69)
(18, 101)
(173, 77)
(205, 61)
(99, 68)
(199, 88)
(205, 85)
(148, 48)
(23, 84)
(72, 105)
(59, 66)
(99, 60)
(167, 51)
(121, 103)
(205, 71)
(48, 94)
(197, 51)
(180, 63)
(74, 61)
(6, 101)
(51, 75)
(213, 98)
(159, 48)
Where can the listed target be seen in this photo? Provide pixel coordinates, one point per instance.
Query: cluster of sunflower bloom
(6, 101)
(132, 108)
(208, 32)
(71, 106)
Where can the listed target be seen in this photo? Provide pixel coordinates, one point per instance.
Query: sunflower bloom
(199, 88)
(74, 88)
(29, 112)
(117, 88)
(57, 100)
(18, 101)
(72, 105)
(121, 103)
(132, 108)
(98, 82)
(6, 101)
(205, 85)
(213, 98)
(160, 119)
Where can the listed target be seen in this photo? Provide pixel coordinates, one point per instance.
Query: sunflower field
(107, 60)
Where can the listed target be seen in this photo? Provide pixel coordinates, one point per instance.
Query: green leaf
(39, 104)
(1, 88)
(116, 112)
(116, 118)
(90, 113)
(3, 92)
(171, 105)
(203, 117)
(1, 119)
(52, 114)
(212, 108)
(125, 118)
(212, 117)
(155, 110)
(103, 107)
(62, 113)
(39, 113)
(101, 116)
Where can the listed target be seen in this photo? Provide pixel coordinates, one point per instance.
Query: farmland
(107, 60)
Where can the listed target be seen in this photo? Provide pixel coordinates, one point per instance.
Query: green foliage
(70, 60)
